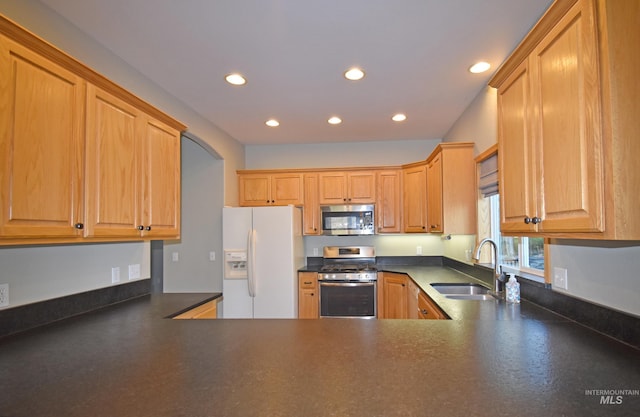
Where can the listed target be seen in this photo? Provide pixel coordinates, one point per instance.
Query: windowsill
(532, 276)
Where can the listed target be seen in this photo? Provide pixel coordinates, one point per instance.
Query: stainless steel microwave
(348, 220)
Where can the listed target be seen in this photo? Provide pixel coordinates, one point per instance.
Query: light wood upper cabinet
(518, 173)
(434, 194)
(414, 179)
(566, 129)
(389, 201)
(113, 184)
(271, 189)
(311, 211)
(133, 171)
(353, 187)
(41, 146)
(83, 160)
(451, 189)
(161, 181)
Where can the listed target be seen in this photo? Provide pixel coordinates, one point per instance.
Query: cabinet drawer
(308, 281)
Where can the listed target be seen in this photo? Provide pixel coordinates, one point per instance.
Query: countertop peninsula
(491, 359)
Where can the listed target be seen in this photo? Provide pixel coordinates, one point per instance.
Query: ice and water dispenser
(235, 264)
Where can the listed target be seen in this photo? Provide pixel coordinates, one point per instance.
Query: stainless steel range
(348, 282)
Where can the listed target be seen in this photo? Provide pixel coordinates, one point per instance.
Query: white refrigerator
(271, 237)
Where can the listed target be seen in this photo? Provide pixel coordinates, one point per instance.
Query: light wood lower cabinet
(308, 296)
(401, 298)
(208, 310)
(392, 295)
(427, 309)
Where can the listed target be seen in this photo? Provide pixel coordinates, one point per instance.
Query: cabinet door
(414, 197)
(161, 180)
(412, 300)
(515, 154)
(332, 188)
(388, 205)
(114, 132)
(311, 207)
(308, 307)
(429, 309)
(566, 94)
(287, 189)
(41, 145)
(254, 189)
(361, 187)
(434, 195)
(395, 296)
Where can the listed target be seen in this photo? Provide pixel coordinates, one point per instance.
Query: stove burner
(339, 267)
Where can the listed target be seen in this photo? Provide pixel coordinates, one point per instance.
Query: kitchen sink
(465, 291)
(477, 297)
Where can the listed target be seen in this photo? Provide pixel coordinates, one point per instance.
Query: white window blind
(488, 181)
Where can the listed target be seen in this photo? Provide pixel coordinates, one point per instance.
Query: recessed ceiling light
(400, 117)
(479, 67)
(235, 79)
(272, 123)
(335, 120)
(354, 74)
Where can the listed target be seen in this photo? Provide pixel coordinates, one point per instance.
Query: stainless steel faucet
(499, 277)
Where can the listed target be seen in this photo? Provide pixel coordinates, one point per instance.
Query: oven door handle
(347, 284)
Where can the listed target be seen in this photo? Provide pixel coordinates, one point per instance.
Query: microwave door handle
(251, 262)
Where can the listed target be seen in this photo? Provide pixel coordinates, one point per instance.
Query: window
(521, 255)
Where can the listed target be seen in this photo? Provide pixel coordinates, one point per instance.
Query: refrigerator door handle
(251, 262)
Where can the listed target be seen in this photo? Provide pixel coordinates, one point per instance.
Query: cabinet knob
(147, 228)
(423, 227)
(434, 226)
(534, 220)
(425, 312)
(273, 201)
(141, 227)
(79, 226)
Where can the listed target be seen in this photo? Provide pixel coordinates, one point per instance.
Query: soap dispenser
(512, 290)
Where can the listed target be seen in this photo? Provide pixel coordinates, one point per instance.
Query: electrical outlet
(418, 250)
(560, 278)
(315, 251)
(4, 295)
(212, 256)
(115, 274)
(175, 257)
(134, 271)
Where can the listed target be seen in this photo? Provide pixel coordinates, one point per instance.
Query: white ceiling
(293, 52)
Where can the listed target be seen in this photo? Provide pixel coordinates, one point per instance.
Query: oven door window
(348, 299)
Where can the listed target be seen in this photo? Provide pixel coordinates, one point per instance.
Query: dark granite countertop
(128, 360)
